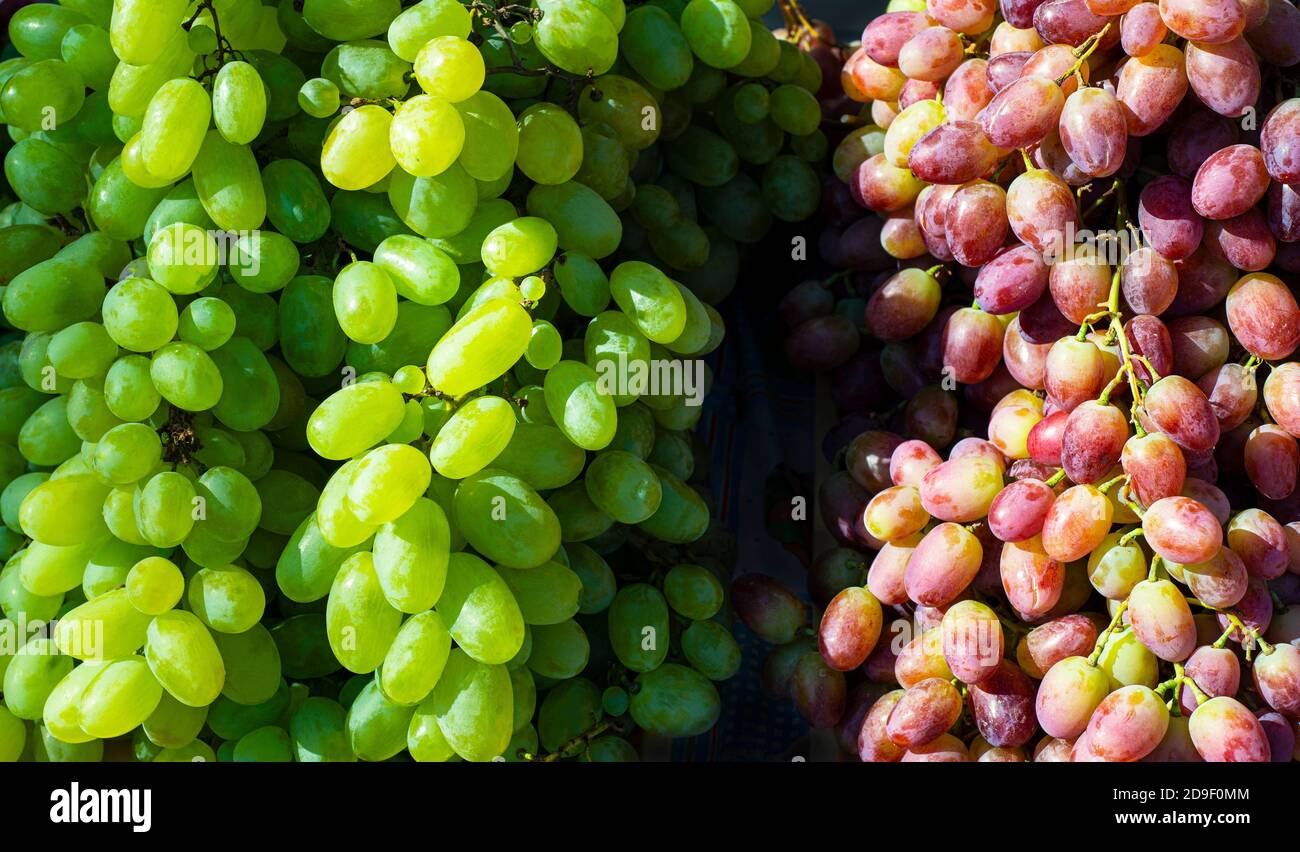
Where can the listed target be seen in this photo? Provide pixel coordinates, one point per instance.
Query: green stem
(1105, 634)
(1055, 478)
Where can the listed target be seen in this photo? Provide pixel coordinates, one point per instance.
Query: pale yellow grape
(357, 153)
(426, 135)
(65, 510)
(387, 482)
(229, 184)
(228, 599)
(425, 20)
(334, 516)
(908, 128)
(107, 627)
(473, 705)
(184, 658)
(474, 436)
(450, 68)
(650, 299)
(49, 571)
(183, 258)
(154, 585)
(355, 418)
(365, 302)
(411, 555)
(175, 124)
(132, 86)
(491, 139)
(62, 713)
(415, 660)
(140, 29)
(120, 696)
(520, 247)
(550, 144)
(132, 162)
(359, 621)
(239, 102)
(480, 347)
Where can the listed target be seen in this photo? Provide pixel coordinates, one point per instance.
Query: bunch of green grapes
(352, 359)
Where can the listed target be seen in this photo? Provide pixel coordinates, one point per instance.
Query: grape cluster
(1066, 230)
(353, 353)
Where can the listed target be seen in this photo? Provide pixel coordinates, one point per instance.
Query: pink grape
(943, 565)
(1224, 731)
(1215, 671)
(1031, 579)
(972, 641)
(874, 744)
(1209, 21)
(1018, 512)
(1197, 135)
(1076, 524)
(976, 220)
(1182, 530)
(1003, 706)
(1272, 461)
(1224, 76)
(1261, 542)
(1230, 182)
(1068, 696)
(1095, 435)
(1232, 392)
(1151, 87)
(1127, 725)
(885, 36)
(1277, 677)
(850, 628)
(1162, 620)
(1023, 113)
(1178, 408)
(1142, 29)
(1155, 467)
(1094, 132)
(1279, 140)
(925, 711)
(1168, 218)
(1221, 582)
(961, 489)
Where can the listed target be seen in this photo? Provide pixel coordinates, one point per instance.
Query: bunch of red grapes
(1068, 231)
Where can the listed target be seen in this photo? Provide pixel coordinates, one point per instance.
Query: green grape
(638, 627)
(37, 32)
(164, 507)
(376, 726)
(418, 270)
(434, 207)
(560, 651)
(63, 510)
(296, 206)
(264, 745)
(184, 658)
(673, 452)
(366, 70)
(718, 32)
(424, 739)
(139, 315)
(449, 68)
(791, 189)
(415, 660)
(650, 299)
(183, 258)
(576, 36)
(545, 346)
(583, 221)
(13, 494)
(795, 110)
(180, 204)
(472, 707)
(427, 135)
(675, 701)
(751, 103)
(614, 700)
(655, 47)
(175, 124)
(194, 752)
(44, 177)
(582, 284)
(45, 91)
(121, 695)
(349, 20)
(17, 602)
(533, 288)
(623, 486)
(739, 209)
(82, 350)
(186, 376)
(702, 157)
(580, 519)
(61, 712)
(547, 594)
(579, 405)
(202, 39)
(474, 436)
(319, 97)
(129, 391)
(387, 482)
(614, 346)
(426, 20)
(140, 29)
(480, 347)
(360, 622)
(309, 564)
(464, 248)
(682, 515)
(252, 663)
(47, 437)
(50, 570)
(655, 208)
(173, 724)
(311, 341)
(625, 107)
(365, 302)
(229, 184)
(521, 32)
(541, 456)
(480, 611)
(598, 583)
(318, 730)
(811, 148)
(355, 418)
(416, 332)
(491, 140)
(409, 380)
(126, 453)
(711, 650)
(227, 599)
(764, 53)
(287, 498)
(550, 144)
(33, 673)
(238, 102)
(154, 585)
(231, 720)
(52, 294)
(357, 152)
(605, 162)
(569, 710)
(118, 207)
(207, 323)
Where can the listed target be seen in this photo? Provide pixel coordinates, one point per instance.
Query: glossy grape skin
(943, 564)
(1224, 731)
(1213, 22)
(849, 628)
(1150, 88)
(1094, 439)
(1019, 510)
(873, 743)
(1094, 132)
(972, 641)
(961, 489)
(818, 691)
(1162, 620)
(1182, 530)
(1041, 210)
(925, 711)
(1076, 524)
(1126, 726)
(1168, 217)
(767, 607)
(1230, 182)
(1226, 77)
(1023, 113)
(1216, 672)
(1277, 677)
(1221, 581)
(903, 305)
(1068, 695)
(1011, 281)
(1178, 408)
(910, 461)
(1272, 461)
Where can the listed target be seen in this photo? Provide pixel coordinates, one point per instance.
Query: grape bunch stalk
(1067, 240)
(351, 355)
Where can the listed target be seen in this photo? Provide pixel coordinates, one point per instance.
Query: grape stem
(1130, 535)
(1055, 478)
(1082, 52)
(1115, 621)
(225, 51)
(493, 17)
